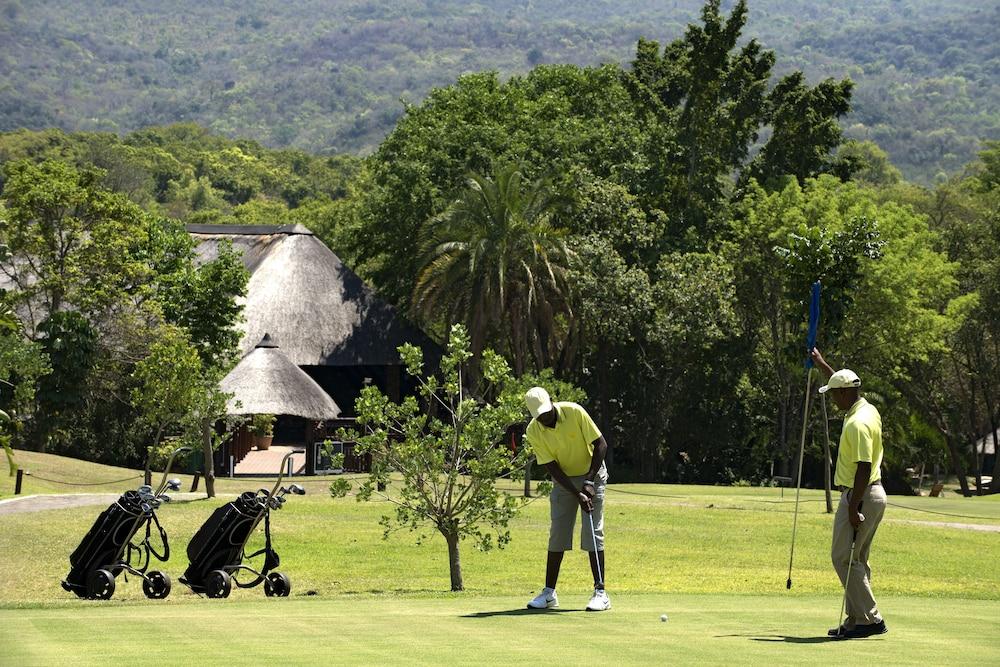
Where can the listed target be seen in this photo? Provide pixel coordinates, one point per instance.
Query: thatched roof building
(300, 292)
(329, 324)
(266, 382)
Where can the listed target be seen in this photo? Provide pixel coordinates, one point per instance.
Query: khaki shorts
(563, 508)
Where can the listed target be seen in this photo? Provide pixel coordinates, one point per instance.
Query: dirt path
(21, 504)
(949, 524)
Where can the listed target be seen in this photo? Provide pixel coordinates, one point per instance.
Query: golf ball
(663, 618)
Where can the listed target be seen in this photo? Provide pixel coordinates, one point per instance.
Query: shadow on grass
(521, 612)
(785, 638)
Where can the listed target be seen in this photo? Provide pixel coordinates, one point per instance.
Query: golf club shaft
(798, 483)
(597, 558)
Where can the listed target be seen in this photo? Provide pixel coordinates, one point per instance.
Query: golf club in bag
(107, 550)
(217, 551)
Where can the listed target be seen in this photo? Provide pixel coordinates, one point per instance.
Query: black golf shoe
(833, 632)
(862, 631)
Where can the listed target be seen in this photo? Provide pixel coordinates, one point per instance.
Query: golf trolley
(108, 550)
(217, 551)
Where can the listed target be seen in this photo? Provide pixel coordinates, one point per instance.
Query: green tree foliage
(956, 385)
(494, 261)
(21, 365)
(552, 121)
(883, 282)
(449, 448)
(102, 283)
(296, 74)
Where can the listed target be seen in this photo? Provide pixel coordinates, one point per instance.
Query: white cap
(842, 379)
(538, 401)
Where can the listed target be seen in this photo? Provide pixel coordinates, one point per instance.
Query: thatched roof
(302, 293)
(266, 382)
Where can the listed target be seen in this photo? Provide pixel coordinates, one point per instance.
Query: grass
(459, 629)
(713, 558)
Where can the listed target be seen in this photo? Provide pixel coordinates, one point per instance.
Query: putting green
(716, 629)
(714, 559)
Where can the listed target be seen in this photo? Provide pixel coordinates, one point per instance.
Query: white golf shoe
(544, 600)
(600, 601)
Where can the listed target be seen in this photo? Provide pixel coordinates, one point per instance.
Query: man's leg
(552, 568)
(593, 542)
(562, 514)
(860, 598)
(587, 539)
(597, 561)
(840, 551)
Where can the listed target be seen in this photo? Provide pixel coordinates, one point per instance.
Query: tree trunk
(454, 561)
(956, 462)
(209, 459)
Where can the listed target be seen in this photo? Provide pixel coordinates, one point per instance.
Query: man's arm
(861, 477)
(563, 480)
(596, 461)
(821, 362)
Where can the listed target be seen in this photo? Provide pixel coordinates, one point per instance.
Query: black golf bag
(108, 548)
(218, 549)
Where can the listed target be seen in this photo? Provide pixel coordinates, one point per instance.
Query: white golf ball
(663, 618)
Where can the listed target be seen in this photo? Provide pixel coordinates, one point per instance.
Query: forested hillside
(328, 75)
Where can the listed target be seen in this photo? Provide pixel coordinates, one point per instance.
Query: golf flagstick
(810, 344)
(597, 559)
(847, 579)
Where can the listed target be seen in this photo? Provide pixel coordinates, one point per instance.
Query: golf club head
(297, 489)
(146, 507)
(145, 490)
(164, 497)
(174, 484)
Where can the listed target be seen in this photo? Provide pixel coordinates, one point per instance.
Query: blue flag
(813, 324)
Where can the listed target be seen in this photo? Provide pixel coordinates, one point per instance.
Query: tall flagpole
(810, 344)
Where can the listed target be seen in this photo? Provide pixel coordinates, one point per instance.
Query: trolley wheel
(218, 584)
(277, 585)
(100, 585)
(156, 585)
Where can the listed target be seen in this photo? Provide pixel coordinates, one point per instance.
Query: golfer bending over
(568, 443)
(858, 475)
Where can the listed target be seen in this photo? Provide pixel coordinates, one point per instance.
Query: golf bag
(218, 550)
(108, 548)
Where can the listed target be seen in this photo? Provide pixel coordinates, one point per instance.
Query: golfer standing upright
(858, 475)
(570, 446)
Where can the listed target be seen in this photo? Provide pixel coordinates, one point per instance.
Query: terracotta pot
(262, 442)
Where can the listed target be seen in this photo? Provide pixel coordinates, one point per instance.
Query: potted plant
(262, 427)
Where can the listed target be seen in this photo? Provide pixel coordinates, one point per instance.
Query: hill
(328, 76)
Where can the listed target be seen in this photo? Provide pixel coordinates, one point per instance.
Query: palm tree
(494, 261)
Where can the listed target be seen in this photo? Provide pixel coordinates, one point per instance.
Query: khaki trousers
(861, 606)
(563, 508)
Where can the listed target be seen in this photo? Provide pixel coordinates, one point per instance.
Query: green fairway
(461, 629)
(713, 558)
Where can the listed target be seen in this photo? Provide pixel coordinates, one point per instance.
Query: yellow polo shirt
(860, 440)
(570, 443)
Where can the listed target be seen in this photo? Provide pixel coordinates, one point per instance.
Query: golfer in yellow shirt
(570, 446)
(858, 475)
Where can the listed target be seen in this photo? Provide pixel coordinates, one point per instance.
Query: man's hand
(589, 489)
(819, 361)
(585, 502)
(854, 517)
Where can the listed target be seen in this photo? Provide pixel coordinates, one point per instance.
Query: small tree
(449, 450)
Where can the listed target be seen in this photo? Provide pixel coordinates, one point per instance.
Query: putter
(597, 559)
(847, 579)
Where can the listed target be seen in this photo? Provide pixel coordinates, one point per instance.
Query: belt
(877, 482)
